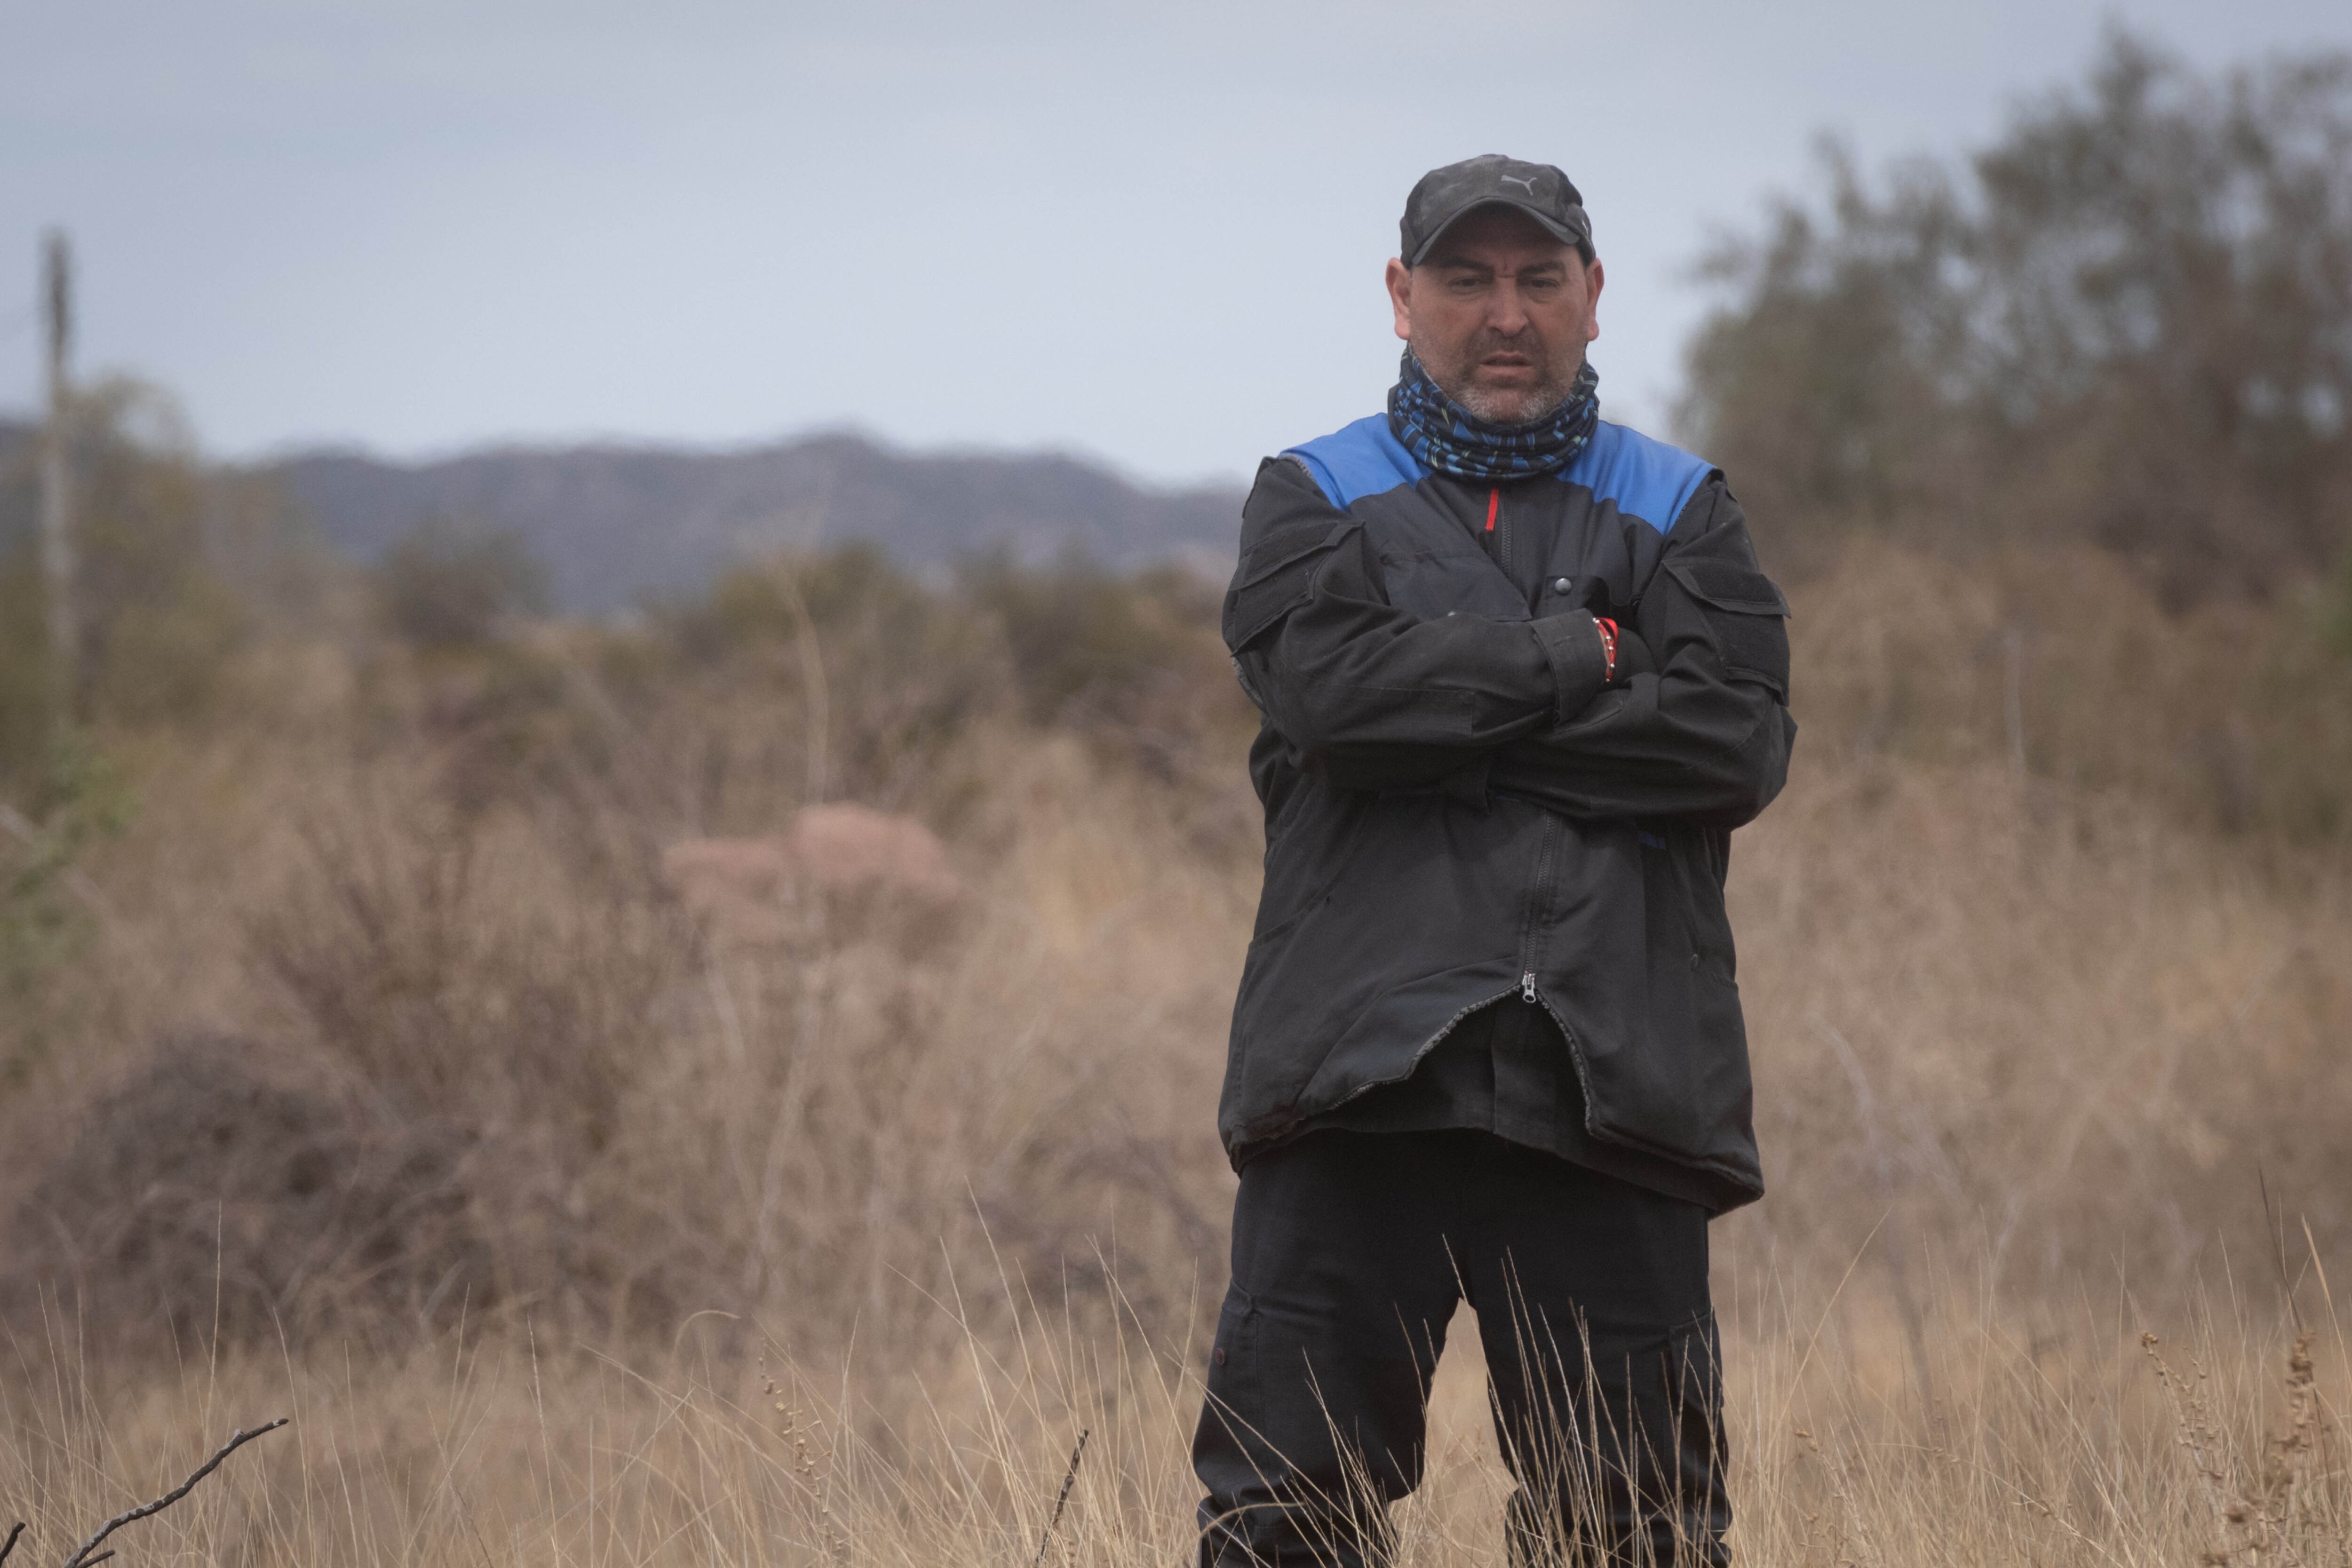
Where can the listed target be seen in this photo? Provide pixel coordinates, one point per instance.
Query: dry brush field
(490, 1062)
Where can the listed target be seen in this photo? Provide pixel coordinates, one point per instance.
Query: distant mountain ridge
(615, 525)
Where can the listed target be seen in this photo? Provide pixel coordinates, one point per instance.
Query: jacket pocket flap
(1729, 585)
(1275, 577)
(1285, 546)
(1744, 617)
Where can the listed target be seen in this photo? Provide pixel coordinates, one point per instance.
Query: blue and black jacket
(1462, 805)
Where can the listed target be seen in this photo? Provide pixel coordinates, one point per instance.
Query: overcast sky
(1154, 235)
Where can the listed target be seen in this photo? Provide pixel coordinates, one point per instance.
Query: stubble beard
(1495, 406)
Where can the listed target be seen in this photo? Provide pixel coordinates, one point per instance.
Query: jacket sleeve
(1708, 734)
(1367, 692)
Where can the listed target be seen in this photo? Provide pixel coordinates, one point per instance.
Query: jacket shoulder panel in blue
(1645, 478)
(1358, 461)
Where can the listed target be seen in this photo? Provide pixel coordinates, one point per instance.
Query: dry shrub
(2036, 1022)
(1018, 1085)
(210, 1201)
(1094, 647)
(2016, 1028)
(804, 678)
(466, 967)
(2022, 1010)
(666, 1106)
(2006, 987)
(2062, 663)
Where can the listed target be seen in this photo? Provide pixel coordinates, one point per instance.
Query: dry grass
(2041, 1068)
(2057, 1445)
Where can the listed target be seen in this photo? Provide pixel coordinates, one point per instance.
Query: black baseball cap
(1443, 196)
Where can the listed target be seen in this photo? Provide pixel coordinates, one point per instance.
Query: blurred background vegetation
(2122, 325)
(2103, 369)
(339, 920)
(405, 986)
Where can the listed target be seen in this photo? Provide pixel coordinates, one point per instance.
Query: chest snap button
(1560, 584)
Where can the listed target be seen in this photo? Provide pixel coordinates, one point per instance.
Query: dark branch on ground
(83, 1558)
(1062, 1502)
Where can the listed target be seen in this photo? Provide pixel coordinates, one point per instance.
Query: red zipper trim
(1493, 504)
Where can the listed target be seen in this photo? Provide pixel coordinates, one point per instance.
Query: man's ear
(1594, 278)
(1400, 282)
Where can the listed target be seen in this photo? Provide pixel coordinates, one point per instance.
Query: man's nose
(1506, 311)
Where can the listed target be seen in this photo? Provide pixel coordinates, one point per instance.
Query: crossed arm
(1378, 699)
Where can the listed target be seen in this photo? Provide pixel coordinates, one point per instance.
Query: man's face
(1500, 315)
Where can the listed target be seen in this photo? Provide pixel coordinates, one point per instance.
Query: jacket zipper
(1538, 898)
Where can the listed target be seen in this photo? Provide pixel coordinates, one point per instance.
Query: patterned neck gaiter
(1451, 440)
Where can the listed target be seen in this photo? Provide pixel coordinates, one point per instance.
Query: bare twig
(1063, 1500)
(10, 1545)
(83, 1558)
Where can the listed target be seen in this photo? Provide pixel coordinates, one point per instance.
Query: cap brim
(1565, 234)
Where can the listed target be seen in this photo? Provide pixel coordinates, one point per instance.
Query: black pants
(1349, 1252)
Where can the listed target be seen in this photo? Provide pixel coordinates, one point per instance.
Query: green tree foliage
(872, 673)
(1088, 642)
(158, 625)
(158, 622)
(24, 690)
(75, 799)
(2129, 321)
(447, 585)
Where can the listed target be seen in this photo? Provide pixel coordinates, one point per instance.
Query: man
(1521, 676)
